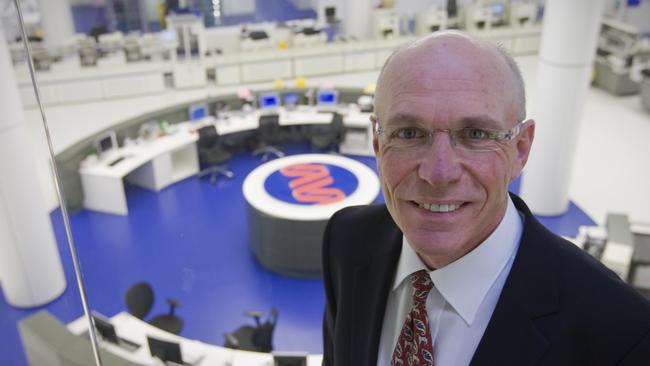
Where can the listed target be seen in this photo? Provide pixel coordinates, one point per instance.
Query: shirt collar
(465, 282)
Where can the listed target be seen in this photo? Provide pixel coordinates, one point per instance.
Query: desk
(169, 159)
(358, 134)
(153, 165)
(290, 200)
(136, 330)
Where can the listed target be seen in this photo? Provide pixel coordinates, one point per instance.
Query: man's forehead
(444, 60)
(453, 65)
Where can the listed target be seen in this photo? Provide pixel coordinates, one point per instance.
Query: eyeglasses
(467, 138)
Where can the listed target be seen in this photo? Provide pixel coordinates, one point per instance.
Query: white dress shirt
(463, 298)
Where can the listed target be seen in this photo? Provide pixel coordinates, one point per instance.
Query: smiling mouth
(444, 208)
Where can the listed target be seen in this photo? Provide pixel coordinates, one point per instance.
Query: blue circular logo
(311, 184)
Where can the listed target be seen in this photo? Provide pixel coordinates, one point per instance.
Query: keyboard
(127, 344)
(116, 161)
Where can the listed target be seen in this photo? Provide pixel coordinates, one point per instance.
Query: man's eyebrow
(479, 121)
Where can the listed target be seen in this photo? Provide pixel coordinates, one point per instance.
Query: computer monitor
(290, 99)
(105, 143)
(165, 350)
(330, 11)
(497, 9)
(327, 98)
(197, 111)
(269, 100)
(104, 328)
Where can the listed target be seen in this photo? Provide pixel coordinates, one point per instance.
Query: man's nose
(440, 163)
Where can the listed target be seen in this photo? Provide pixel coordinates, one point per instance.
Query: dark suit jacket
(558, 306)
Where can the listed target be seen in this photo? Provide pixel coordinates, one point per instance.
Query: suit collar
(370, 302)
(529, 294)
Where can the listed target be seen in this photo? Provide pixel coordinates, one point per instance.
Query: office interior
(157, 241)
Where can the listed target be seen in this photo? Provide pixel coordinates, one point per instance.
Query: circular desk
(290, 200)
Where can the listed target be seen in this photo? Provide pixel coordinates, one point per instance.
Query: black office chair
(212, 154)
(258, 338)
(328, 137)
(139, 301)
(269, 133)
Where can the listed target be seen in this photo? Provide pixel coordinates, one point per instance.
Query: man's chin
(432, 243)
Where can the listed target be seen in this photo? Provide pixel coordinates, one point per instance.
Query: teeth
(439, 208)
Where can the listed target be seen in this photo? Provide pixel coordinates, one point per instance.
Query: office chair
(139, 301)
(269, 133)
(258, 338)
(325, 137)
(212, 154)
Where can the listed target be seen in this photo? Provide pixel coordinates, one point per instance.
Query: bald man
(453, 270)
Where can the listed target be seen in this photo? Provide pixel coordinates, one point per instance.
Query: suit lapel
(529, 296)
(372, 283)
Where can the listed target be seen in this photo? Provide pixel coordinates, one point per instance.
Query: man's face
(452, 86)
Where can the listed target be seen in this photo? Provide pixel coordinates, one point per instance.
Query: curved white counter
(289, 202)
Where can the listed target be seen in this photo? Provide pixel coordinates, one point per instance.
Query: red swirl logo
(311, 184)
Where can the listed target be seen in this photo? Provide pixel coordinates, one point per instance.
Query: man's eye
(408, 133)
(475, 134)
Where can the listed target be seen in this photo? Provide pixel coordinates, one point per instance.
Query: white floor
(611, 171)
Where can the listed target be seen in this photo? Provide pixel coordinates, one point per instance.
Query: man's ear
(375, 143)
(523, 146)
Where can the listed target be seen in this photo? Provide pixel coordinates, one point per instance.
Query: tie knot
(422, 284)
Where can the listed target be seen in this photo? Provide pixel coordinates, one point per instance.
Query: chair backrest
(208, 136)
(139, 299)
(269, 128)
(263, 334)
(338, 128)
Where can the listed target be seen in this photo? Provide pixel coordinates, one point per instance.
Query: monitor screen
(327, 97)
(165, 350)
(106, 143)
(290, 99)
(330, 11)
(104, 328)
(269, 100)
(198, 111)
(497, 8)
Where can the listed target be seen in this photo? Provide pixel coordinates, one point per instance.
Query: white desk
(153, 165)
(169, 159)
(301, 116)
(136, 330)
(358, 134)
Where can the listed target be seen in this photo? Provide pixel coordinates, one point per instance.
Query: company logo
(311, 184)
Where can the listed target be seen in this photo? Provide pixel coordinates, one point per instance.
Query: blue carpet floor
(190, 241)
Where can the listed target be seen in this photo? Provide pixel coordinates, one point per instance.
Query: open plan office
(174, 164)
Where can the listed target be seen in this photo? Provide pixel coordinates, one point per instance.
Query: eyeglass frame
(494, 135)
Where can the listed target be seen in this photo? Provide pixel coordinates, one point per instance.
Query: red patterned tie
(414, 346)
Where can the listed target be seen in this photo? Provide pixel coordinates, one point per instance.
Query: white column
(31, 273)
(566, 57)
(57, 22)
